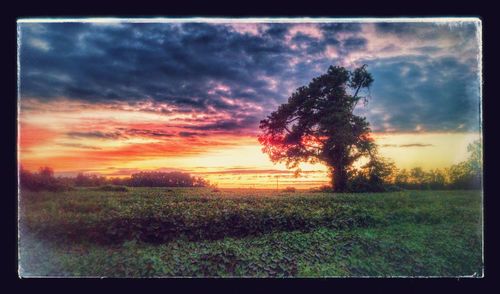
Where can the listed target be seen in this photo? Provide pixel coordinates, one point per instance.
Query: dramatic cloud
(117, 98)
(425, 73)
(191, 134)
(146, 133)
(95, 134)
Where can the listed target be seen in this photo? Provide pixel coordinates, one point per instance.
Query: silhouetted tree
(380, 172)
(401, 178)
(463, 175)
(92, 180)
(475, 163)
(317, 124)
(374, 176)
(435, 179)
(417, 177)
(46, 172)
(468, 174)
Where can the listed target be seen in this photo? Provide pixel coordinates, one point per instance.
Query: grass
(157, 232)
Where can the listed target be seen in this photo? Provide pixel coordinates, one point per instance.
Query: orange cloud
(119, 140)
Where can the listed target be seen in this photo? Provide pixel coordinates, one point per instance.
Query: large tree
(318, 124)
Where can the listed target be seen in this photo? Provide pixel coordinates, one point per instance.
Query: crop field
(201, 232)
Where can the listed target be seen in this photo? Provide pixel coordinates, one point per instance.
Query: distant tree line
(381, 175)
(44, 179)
(378, 175)
(161, 179)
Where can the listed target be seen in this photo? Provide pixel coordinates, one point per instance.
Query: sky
(114, 98)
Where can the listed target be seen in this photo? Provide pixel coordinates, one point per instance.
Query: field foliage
(206, 232)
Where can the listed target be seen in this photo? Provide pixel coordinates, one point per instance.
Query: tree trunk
(339, 181)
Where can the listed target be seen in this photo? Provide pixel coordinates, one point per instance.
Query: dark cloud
(120, 133)
(428, 49)
(416, 145)
(96, 134)
(334, 28)
(355, 44)
(178, 64)
(407, 145)
(146, 132)
(191, 134)
(438, 94)
(196, 67)
(226, 125)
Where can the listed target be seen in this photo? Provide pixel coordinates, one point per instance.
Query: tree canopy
(318, 124)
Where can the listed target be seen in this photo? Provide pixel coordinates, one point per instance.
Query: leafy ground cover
(156, 232)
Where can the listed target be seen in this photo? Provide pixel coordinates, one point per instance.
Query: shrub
(290, 189)
(393, 188)
(112, 188)
(83, 180)
(322, 189)
(363, 184)
(43, 180)
(165, 179)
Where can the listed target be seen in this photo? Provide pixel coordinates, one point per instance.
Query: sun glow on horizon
(118, 99)
(123, 147)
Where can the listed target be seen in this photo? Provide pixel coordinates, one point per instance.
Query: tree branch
(311, 133)
(293, 119)
(287, 129)
(357, 90)
(359, 87)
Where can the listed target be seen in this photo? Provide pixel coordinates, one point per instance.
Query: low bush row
(159, 215)
(156, 229)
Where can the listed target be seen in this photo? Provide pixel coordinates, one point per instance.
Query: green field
(157, 232)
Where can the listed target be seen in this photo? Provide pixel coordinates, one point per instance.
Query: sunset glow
(131, 140)
(115, 100)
